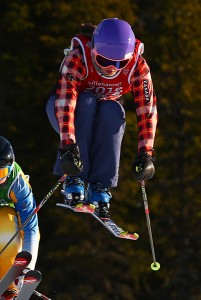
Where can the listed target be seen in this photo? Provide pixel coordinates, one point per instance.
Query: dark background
(79, 258)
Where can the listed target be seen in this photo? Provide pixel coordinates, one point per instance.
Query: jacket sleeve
(145, 105)
(25, 204)
(71, 73)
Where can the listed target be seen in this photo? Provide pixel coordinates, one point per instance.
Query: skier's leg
(9, 225)
(106, 147)
(105, 154)
(84, 119)
(85, 114)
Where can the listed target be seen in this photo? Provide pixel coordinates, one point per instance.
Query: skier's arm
(24, 201)
(145, 104)
(73, 70)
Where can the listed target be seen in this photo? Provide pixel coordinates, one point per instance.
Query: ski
(81, 207)
(109, 224)
(21, 261)
(31, 280)
(115, 229)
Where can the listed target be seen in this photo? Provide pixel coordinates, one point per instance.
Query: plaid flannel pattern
(145, 105)
(72, 72)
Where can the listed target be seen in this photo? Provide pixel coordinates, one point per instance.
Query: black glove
(143, 166)
(70, 161)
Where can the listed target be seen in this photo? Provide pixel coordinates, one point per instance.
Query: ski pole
(35, 210)
(155, 266)
(41, 295)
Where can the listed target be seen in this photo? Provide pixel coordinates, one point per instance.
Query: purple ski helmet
(114, 39)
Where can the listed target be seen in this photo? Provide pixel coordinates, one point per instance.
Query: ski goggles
(5, 171)
(104, 62)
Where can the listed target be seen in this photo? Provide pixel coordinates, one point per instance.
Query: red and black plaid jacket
(73, 71)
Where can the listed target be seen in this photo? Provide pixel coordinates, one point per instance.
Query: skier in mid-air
(16, 204)
(104, 63)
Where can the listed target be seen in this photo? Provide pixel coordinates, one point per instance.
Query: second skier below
(16, 204)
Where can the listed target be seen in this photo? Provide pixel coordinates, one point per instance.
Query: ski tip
(32, 276)
(136, 236)
(129, 236)
(24, 254)
(23, 258)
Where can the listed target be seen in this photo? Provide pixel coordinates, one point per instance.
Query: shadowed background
(78, 258)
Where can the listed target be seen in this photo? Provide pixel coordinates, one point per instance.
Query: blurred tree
(78, 258)
(175, 62)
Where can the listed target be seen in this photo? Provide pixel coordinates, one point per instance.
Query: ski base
(31, 280)
(21, 261)
(81, 207)
(109, 224)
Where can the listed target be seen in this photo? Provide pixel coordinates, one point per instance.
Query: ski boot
(73, 190)
(99, 195)
(9, 295)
